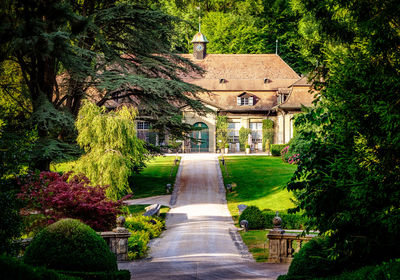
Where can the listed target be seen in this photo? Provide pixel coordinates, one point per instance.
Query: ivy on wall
(267, 133)
(243, 136)
(222, 131)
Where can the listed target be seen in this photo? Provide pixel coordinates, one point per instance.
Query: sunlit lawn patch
(258, 181)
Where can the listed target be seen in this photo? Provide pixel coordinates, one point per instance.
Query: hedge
(13, 269)
(254, 216)
(289, 221)
(277, 148)
(263, 219)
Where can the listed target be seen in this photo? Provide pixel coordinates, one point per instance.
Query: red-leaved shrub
(64, 196)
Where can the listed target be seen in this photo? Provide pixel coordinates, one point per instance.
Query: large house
(246, 88)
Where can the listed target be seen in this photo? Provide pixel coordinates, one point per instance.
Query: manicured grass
(256, 241)
(258, 181)
(152, 181)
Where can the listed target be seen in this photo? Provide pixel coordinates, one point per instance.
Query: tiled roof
(243, 72)
(227, 101)
(299, 96)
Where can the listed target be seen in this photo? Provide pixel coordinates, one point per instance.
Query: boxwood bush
(276, 149)
(70, 245)
(254, 216)
(13, 269)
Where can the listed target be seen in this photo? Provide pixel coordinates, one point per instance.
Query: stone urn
(247, 151)
(277, 221)
(226, 150)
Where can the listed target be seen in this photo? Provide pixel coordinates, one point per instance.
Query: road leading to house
(201, 241)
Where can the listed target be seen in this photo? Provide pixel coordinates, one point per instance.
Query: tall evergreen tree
(119, 48)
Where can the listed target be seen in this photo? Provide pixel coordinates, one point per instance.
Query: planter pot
(226, 150)
(247, 151)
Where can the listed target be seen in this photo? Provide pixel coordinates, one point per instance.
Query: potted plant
(247, 149)
(226, 148)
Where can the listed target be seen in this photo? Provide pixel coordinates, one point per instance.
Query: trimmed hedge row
(289, 221)
(13, 269)
(263, 219)
(277, 148)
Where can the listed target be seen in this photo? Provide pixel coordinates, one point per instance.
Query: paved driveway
(201, 241)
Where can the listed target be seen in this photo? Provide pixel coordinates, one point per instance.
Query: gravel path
(201, 241)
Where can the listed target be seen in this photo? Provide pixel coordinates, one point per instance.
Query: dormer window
(245, 99)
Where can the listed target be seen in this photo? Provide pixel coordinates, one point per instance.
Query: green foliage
(118, 49)
(149, 224)
(137, 244)
(289, 221)
(142, 230)
(254, 216)
(348, 178)
(243, 136)
(72, 246)
(384, 271)
(13, 269)
(267, 134)
(112, 148)
(277, 148)
(10, 222)
(312, 261)
(240, 26)
(222, 131)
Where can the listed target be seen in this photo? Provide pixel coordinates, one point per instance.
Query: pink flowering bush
(58, 196)
(294, 159)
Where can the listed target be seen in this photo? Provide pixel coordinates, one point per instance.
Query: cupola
(199, 45)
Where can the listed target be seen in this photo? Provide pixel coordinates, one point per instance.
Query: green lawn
(256, 241)
(150, 181)
(258, 181)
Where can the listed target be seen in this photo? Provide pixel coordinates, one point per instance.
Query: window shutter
(238, 99)
(251, 100)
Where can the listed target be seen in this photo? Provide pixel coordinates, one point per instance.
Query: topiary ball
(254, 216)
(70, 245)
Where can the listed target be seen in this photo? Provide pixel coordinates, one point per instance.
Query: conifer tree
(118, 49)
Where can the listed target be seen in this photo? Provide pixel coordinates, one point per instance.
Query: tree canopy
(118, 49)
(348, 177)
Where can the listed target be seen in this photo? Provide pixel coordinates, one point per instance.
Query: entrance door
(200, 138)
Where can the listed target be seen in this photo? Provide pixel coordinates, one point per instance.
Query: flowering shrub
(294, 159)
(56, 196)
(284, 153)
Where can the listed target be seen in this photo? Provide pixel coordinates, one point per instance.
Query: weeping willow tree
(112, 148)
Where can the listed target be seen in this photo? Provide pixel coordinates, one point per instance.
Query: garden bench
(152, 210)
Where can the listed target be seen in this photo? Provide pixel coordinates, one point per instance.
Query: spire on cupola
(199, 44)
